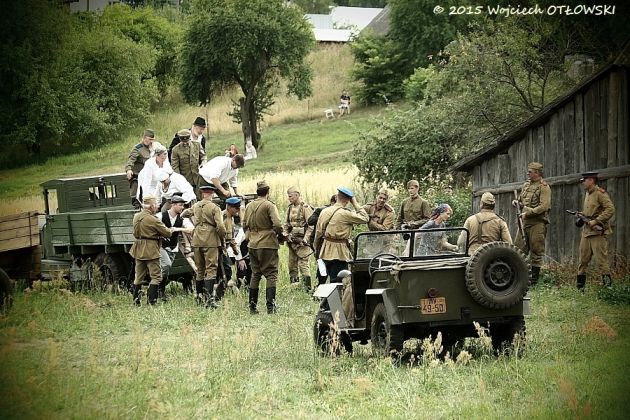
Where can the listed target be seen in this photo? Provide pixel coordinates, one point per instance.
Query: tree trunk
(249, 124)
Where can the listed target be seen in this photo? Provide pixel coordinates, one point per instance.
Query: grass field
(65, 355)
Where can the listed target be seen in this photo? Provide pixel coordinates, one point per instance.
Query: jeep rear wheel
(387, 339)
(497, 275)
(327, 338)
(503, 336)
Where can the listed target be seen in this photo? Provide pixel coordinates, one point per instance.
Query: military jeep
(412, 284)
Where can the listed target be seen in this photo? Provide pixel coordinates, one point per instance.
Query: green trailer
(88, 225)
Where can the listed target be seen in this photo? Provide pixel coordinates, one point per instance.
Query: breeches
(536, 239)
(296, 263)
(206, 260)
(594, 246)
(152, 266)
(264, 263)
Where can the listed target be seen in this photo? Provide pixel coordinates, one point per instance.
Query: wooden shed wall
(589, 132)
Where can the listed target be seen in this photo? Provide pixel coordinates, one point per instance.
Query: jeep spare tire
(497, 275)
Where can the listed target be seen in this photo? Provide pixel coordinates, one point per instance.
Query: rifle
(519, 220)
(581, 220)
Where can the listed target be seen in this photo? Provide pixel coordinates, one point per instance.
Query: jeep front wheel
(387, 339)
(497, 275)
(327, 336)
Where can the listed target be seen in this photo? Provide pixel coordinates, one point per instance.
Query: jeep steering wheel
(380, 261)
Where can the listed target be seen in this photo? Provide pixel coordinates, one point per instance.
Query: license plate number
(433, 306)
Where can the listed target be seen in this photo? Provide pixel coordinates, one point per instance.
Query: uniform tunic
(536, 199)
(597, 205)
(414, 212)
(484, 227)
(148, 230)
(262, 223)
(382, 219)
(186, 158)
(208, 236)
(337, 221)
(297, 226)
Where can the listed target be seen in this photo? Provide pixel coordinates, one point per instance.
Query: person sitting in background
(344, 103)
(433, 243)
(231, 151)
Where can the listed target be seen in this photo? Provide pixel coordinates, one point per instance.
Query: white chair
(329, 113)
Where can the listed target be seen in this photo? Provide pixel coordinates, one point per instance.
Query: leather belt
(338, 241)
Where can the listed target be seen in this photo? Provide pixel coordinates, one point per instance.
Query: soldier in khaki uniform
(333, 231)
(535, 201)
(148, 231)
(208, 237)
(262, 224)
(414, 211)
(186, 158)
(484, 227)
(140, 153)
(381, 214)
(296, 228)
(232, 210)
(594, 242)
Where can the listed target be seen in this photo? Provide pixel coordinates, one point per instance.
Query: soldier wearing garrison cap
(594, 241)
(296, 228)
(414, 211)
(381, 214)
(208, 237)
(484, 227)
(139, 154)
(262, 225)
(148, 231)
(186, 158)
(333, 231)
(535, 200)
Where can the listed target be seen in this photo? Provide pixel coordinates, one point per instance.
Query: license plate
(433, 306)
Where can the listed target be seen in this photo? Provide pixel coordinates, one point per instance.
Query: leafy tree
(144, 25)
(251, 43)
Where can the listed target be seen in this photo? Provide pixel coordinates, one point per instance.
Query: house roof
(332, 35)
(504, 142)
(355, 17)
(320, 21)
(380, 24)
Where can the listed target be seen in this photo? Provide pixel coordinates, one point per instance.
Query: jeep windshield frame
(408, 245)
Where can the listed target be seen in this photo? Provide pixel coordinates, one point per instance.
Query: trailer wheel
(6, 290)
(112, 271)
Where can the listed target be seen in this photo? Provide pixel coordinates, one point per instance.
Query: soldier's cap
(149, 199)
(149, 133)
(162, 175)
(413, 183)
(262, 184)
(177, 199)
(292, 190)
(239, 159)
(384, 192)
(207, 188)
(160, 149)
(183, 135)
(346, 191)
(535, 166)
(487, 198)
(233, 201)
(589, 174)
(201, 122)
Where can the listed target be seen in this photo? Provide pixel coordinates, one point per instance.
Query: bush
(617, 293)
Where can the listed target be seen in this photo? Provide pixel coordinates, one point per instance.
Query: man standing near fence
(535, 202)
(594, 242)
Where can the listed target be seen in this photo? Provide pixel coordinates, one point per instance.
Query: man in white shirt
(222, 172)
(171, 185)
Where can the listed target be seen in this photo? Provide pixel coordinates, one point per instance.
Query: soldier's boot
(307, 284)
(153, 294)
(535, 275)
(137, 294)
(162, 291)
(199, 292)
(209, 294)
(606, 280)
(581, 281)
(220, 290)
(253, 301)
(270, 293)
